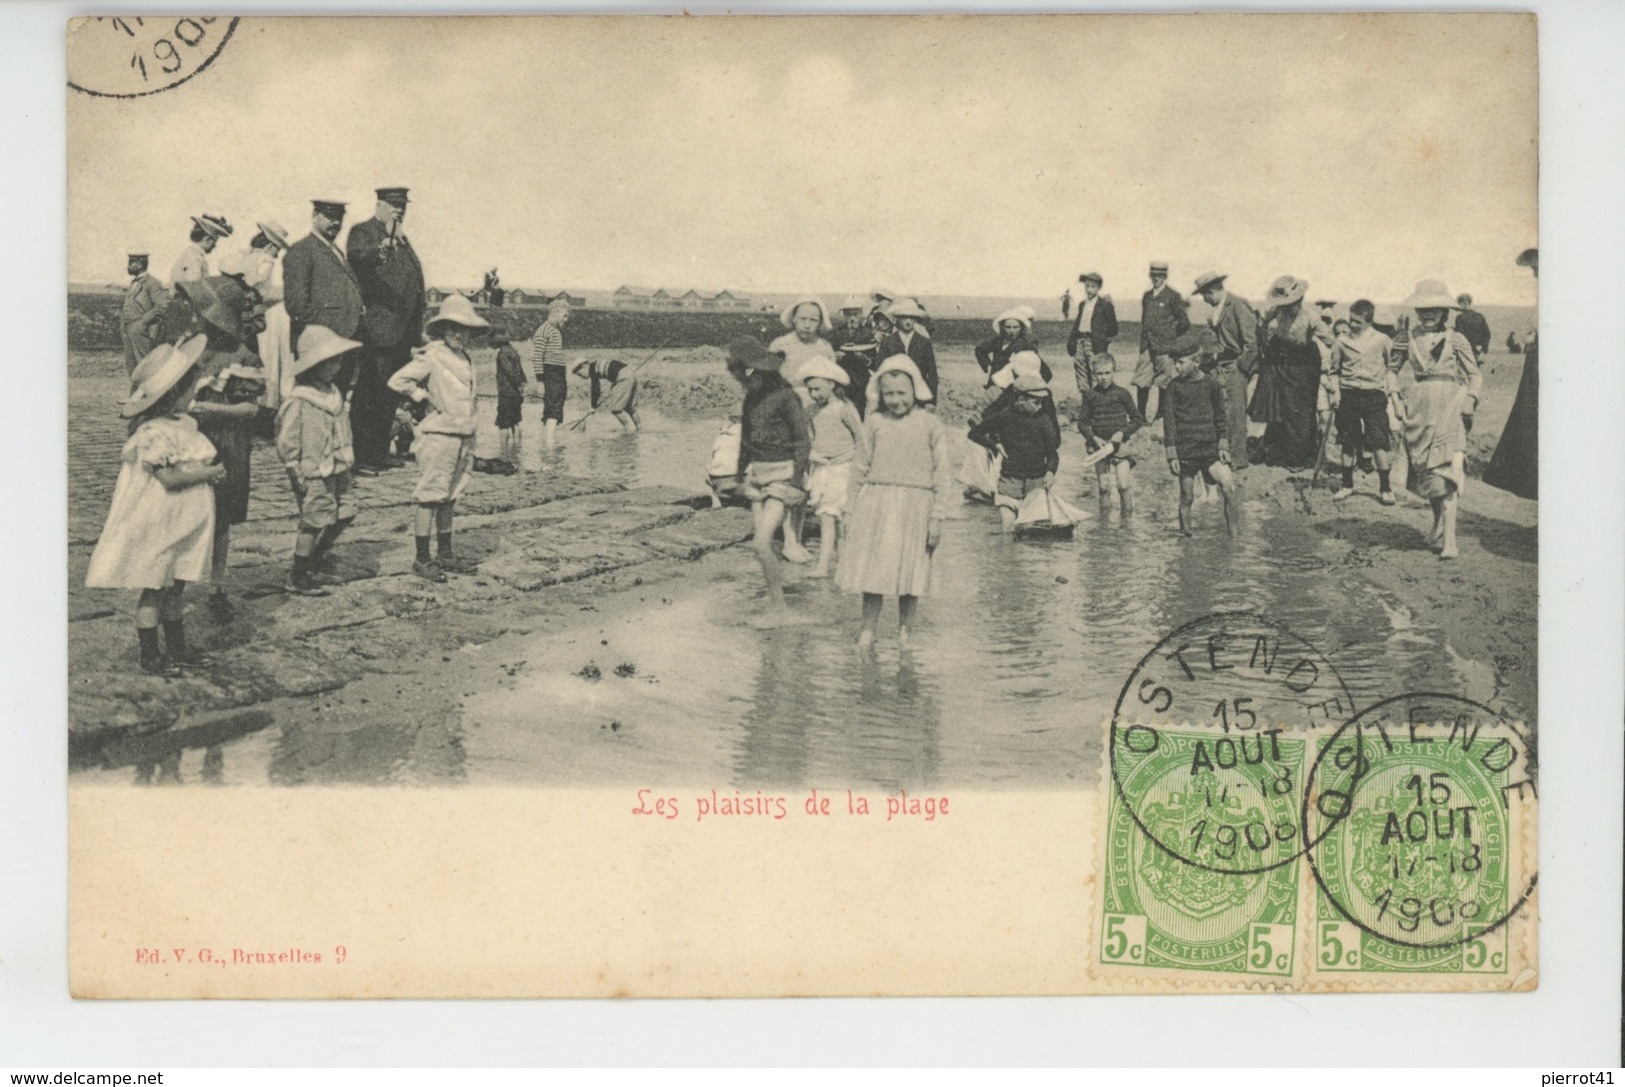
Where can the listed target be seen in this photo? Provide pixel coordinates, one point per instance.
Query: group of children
(184, 472)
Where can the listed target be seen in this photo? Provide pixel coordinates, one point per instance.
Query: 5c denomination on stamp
(133, 56)
(1421, 813)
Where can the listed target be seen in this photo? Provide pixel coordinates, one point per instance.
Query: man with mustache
(318, 285)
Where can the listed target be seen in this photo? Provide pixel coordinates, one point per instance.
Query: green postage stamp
(1256, 840)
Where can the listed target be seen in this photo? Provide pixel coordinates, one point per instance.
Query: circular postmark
(1420, 813)
(132, 56)
(1210, 741)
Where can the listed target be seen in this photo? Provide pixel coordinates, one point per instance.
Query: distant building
(518, 296)
(436, 295)
(628, 296)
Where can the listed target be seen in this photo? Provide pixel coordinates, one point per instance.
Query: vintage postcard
(767, 506)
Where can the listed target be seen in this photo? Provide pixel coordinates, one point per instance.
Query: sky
(952, 155)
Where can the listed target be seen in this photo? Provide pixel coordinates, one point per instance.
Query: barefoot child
(621, 399)
(901, 483)
(441, 375)
(1438, 409)
(775, 447)
(511, 383)
(1195, 433)
(836, 430)
(1361, 382)
(1108, 415)
(160, 526)
(807, 319)
(313, 439)
(1028, 439)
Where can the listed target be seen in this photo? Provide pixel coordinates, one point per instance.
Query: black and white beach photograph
(783, 403)
(620, 517)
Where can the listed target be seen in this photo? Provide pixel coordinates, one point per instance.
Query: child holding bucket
(836, 429)
(159, 533)
(901, 485)
(441, 375)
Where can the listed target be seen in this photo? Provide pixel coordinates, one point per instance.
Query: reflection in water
(1022, 649)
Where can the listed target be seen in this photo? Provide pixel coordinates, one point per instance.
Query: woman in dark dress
(1288, 378)
(1515, 466)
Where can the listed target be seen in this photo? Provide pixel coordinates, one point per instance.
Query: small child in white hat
(441, 375)
(836, 431)
(313, 439)
(159, 533)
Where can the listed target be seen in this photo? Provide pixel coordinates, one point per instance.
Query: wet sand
(606, 640)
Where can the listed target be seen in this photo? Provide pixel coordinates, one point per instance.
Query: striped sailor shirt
(546, 348)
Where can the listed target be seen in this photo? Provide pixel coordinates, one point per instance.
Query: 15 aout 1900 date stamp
(1259, 831)
(134, 56)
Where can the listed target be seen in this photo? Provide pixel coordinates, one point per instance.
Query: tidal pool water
(1020, 654)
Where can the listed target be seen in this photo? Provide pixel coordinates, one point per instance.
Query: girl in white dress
(160, 526)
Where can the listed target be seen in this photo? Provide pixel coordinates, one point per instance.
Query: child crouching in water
(901, 483)
(159, 533)
(313, 439)
(1108, 415)
(441, 375)
(1194, 433)
(836, 431)
(1029, 439)
(775, 448)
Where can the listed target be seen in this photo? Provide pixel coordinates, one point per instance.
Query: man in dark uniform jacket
(1163, 319)
(144, 303)
(318, 287)
(1471, 324)
(391, 281)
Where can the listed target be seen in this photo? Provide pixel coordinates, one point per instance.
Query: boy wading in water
(1194, 434)
(441, 375)
(1108, 415)
(775, 452)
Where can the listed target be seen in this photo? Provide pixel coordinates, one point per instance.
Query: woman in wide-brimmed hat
(159, 533)
(1284, 399)
(193, 263)
(1012, 332)
(227, 406)
(1515, 466)
(441, 376)
(1438, 409)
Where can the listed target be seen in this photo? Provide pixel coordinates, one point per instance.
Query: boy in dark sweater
(1030, 441)
(1194, 434)
(1108, 415)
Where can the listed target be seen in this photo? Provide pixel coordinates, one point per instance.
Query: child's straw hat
(1021, 364)
(1030, 383)
(908, 307)
(457, 310)
(1430, 294)
(788, 317)
(157, 373)
(317, 344)
(1024, 314)
(747, 353)
(902, 364)
(822, 367)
